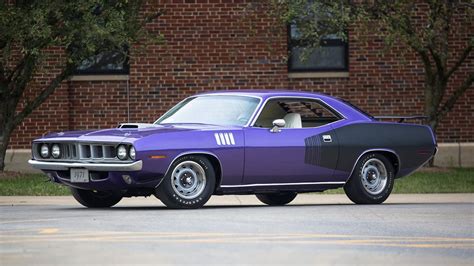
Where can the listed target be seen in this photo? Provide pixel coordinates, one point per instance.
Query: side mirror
(277, 124)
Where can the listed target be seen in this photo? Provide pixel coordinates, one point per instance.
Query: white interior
(293, 120)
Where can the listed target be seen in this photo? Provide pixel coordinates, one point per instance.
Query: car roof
(266, 93)
(348, 111)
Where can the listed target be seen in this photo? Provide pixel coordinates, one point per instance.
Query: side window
(297, 113)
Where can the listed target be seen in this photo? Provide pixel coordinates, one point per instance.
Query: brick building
(209, 46)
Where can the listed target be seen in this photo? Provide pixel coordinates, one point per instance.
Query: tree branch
(44, 94)
(25, 74)
(449, 104)
(438, 62)
(2, 72)
(18, 66)
(461, 59)
(427, 62)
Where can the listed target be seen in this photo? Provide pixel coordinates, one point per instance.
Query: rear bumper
(62, 166)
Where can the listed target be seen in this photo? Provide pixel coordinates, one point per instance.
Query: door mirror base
(277, 125)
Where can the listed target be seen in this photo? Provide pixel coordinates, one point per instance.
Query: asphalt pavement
(314, 229)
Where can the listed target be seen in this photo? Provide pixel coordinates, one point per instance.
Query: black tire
(277, 199)
(96, 199)
(357, 191)
(171, 195)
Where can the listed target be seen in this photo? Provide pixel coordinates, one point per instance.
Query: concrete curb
(250, 200)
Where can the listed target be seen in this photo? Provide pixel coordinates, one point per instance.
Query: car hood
(125, 134)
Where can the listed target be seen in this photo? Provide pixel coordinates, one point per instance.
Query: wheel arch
(391, 155)
(215, 162)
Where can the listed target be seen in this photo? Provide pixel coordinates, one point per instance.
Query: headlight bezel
(131, 151)
(122, 149)
(47, 154)
(53, 151)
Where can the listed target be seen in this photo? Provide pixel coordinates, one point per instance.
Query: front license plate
(79, 175)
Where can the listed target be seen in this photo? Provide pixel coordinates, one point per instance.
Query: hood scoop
(135, 125)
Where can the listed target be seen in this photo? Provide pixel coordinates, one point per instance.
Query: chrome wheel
(374, 176)
(188, 179)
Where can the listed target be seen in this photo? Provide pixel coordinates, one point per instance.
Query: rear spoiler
(401, 119)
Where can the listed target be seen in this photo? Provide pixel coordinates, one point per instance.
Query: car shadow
(292, 206)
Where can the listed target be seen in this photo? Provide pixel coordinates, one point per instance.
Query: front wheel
(96, 199)
(189, 183)
(372, 180)
(277, 199)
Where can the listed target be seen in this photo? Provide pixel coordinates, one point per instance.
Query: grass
(16, 184)
(430, 180)
(455, 180)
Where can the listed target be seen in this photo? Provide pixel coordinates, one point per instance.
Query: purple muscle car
(274, 144)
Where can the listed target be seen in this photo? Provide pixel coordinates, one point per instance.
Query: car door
(303, 151)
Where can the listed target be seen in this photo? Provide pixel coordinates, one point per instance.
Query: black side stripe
(312, 150)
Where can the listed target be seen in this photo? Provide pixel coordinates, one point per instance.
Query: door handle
(327, 138)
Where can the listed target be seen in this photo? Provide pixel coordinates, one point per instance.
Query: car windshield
(212, 109)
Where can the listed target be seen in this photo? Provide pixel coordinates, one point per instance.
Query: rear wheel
(277, 199)
(189, 183)
(372, 180)
(96, 199)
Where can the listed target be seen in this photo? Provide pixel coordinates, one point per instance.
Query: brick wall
(209, 47)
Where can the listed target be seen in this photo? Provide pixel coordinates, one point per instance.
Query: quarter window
(297, 113)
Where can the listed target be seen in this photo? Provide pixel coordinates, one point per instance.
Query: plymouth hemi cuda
(273, 144)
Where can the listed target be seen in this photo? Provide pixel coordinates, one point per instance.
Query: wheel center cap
(372, 175)
(188, 180)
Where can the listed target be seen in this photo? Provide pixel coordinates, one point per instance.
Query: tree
(31, 29)
(427, 35)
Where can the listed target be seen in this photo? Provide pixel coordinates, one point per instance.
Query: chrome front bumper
(59, 166)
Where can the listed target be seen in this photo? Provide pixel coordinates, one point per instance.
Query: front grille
(77, 151)
(68, 151)
(96, 151)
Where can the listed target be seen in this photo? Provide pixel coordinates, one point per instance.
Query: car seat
(293, 120)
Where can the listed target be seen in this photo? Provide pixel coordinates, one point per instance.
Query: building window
(331, 55)
(113, 62)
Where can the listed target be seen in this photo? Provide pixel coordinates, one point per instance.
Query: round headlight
(132, 153)
(56, 151)
(44, 151)
(122, 152)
